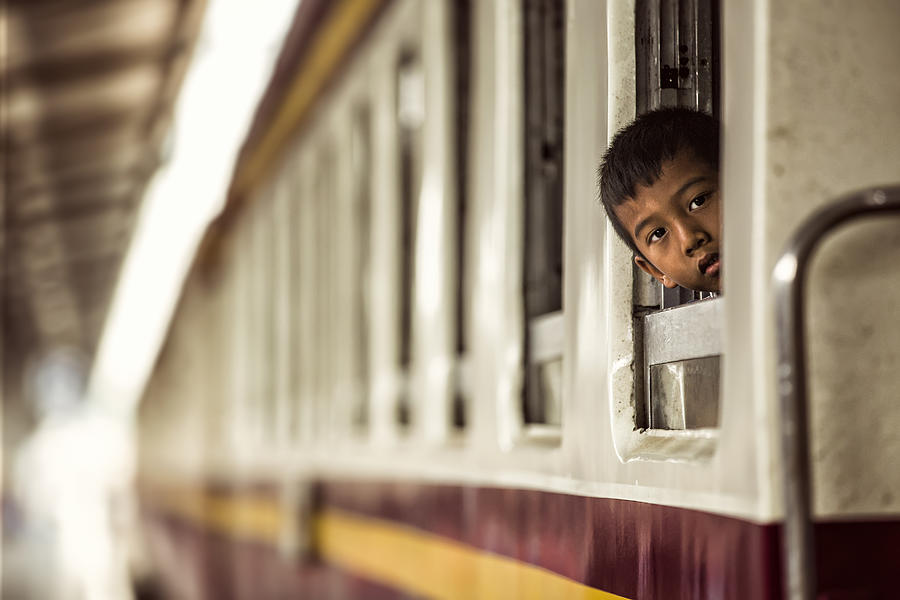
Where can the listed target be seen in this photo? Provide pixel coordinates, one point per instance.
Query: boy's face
(675, 223)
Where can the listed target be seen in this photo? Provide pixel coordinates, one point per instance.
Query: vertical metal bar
(703, 66)
(789, 283)
(646, 291)
(668, 53)
(655, 33)
(675, 296)
(645, 369)
(647, 78)
(685, 53)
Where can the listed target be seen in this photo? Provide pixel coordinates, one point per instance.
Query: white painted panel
(833, 126)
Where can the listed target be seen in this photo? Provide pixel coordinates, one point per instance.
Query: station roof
(87, 98)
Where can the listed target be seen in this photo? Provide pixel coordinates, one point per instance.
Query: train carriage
(413, 358)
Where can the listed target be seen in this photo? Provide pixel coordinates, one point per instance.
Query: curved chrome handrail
(789, 281)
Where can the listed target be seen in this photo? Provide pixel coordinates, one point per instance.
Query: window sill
(671, 445)
(539, 434)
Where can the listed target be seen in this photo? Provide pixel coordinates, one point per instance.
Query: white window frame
(544, 333)
(637, 342)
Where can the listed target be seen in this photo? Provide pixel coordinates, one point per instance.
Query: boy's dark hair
(638, 151)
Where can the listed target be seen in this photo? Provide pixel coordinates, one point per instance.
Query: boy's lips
(709, 264)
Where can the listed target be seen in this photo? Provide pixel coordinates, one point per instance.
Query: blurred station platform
(90, 122)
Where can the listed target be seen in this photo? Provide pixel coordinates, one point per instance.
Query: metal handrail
(789, 281)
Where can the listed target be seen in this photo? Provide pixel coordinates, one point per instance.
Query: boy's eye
(698, 202)
(656, 235)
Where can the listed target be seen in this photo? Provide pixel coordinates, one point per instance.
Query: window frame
(694, 322)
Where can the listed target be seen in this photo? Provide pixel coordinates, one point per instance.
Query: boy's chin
(713, 287)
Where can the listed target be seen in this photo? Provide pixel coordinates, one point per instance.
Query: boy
(659, 184)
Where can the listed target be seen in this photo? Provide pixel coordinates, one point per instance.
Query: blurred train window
(259, 330)
(324, 320)
(410, 107)
(544, 56)
(268, 239)
(298, 270)
(462, 40)
(361, 166)
(282, 315)
(241, 371)
(308, 251)
(677, 64)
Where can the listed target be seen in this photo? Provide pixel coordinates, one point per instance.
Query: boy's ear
(647, 267)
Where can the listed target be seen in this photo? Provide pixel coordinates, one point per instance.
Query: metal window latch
(668, 78)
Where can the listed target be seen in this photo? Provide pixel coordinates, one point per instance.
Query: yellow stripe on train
(383, 551)
(434, 566)
(254, 519)
(331, 42)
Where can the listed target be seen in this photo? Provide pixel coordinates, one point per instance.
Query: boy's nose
(693, 238)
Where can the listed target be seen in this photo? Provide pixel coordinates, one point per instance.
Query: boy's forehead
(630, 210)
(674, 174)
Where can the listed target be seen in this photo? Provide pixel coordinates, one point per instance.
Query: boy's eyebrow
(688, 184)
(640, 226)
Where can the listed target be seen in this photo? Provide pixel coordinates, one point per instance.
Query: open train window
(282, 320)
(261, 397)
(544, 109)
(270, 316)
(297, 261)
(677, 64)
(462, 43)
(361, 168)
(244, 347)
(410, 107)
(325, 197)
(307, 188)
